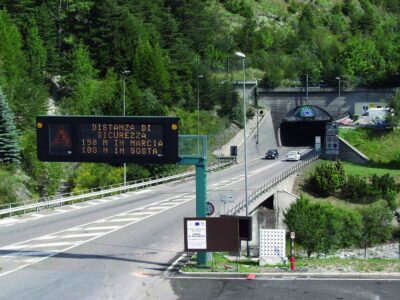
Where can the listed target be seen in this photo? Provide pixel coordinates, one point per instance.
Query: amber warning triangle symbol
(61, 137)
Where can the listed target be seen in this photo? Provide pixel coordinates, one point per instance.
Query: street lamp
(338, 78)
(256, 102)
(306, 87)
(242, 56)
(124, 73)
(198, 112)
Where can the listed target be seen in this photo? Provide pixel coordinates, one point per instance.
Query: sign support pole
(200, 162)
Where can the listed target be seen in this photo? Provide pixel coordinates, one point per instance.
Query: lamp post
(242, 56)
(256, 102)
(306, 87)
(125, 73)
(338, 78)
(198, 112)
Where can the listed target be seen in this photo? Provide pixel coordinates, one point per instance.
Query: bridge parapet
(267, 189)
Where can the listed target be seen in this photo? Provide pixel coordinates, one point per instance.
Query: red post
(292, 263)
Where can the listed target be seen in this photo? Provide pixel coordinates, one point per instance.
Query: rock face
(389, 251)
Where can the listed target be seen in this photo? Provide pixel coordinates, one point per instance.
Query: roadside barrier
(270, 185)
(70, 198)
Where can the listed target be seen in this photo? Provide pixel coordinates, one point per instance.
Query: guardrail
(269, 185)
(60, 199)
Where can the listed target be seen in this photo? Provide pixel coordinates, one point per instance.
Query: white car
(293, 155)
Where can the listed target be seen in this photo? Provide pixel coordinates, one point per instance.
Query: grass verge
(221, 262)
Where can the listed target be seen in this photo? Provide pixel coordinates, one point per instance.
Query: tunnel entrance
(302, 124)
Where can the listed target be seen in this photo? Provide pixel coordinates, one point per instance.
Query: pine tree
(9, 147)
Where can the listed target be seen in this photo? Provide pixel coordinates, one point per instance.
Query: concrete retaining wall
(347, 153)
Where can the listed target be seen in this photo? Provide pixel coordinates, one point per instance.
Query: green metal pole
(200, 161)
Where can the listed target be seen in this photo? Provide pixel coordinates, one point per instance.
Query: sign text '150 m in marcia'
(108, 139)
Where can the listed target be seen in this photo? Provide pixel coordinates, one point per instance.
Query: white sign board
(331, 129)
(227, 198)
(332, 144)
(317, 144)
(196, 234)
(272, 242)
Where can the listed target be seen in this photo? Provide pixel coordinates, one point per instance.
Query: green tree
(147, 104)
(151, 71)
(80, 83)
(307, 220)
(45, 177)
(9, 144)
(37, 56)
(393, 118)
(377, 223)
(26, 97)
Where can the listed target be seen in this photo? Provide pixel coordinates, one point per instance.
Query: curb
(293, 275)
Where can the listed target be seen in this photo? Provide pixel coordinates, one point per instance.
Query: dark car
(272, 154)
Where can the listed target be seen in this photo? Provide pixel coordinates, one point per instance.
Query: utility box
(233, 150)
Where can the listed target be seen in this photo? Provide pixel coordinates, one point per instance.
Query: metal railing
(270, 185)
(90, 194)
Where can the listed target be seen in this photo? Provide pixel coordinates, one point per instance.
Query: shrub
(384, 184)
(325, 180)
(93, 175)
(356, 189)
(12, 185)
(323, 226)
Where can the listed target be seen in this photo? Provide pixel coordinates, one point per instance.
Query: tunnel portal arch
(300, 125)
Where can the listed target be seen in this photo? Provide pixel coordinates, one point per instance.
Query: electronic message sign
(107, 139)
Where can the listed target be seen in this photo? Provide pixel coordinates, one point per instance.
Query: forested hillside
(73, 57)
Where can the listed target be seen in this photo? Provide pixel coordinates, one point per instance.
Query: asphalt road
(286, 289)
(122, 247)
(116, 247)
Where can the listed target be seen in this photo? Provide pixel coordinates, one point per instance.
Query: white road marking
(76, 206)
(79, 235)
(71, 245)
(47, 237)
(9, 220)
(142, 192)
(124, 220)
(139, 213)
(12, 247)
(158, 207)
(100, 221)
(30, 253)
(37, 215)
(53, 244)
(101, 228)
(74, 229)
